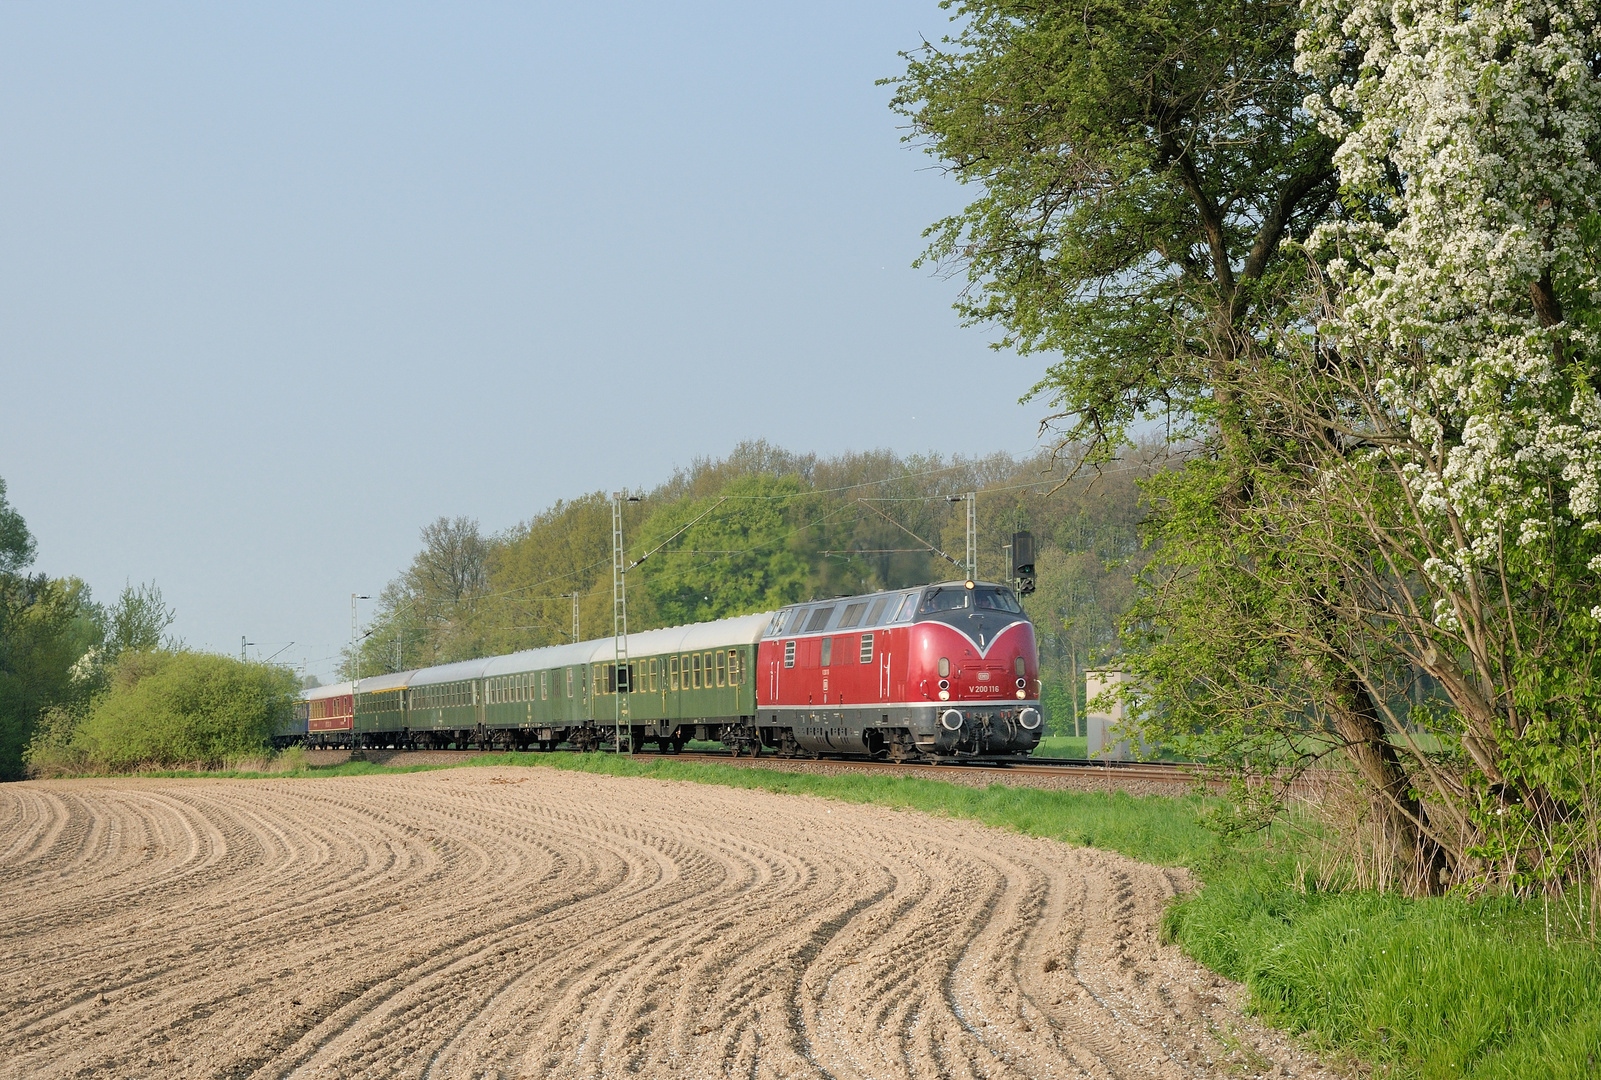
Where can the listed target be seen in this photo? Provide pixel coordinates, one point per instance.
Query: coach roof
(448, 673)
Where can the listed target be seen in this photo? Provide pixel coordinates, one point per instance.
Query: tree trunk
(1357, 721)
(1072, 662)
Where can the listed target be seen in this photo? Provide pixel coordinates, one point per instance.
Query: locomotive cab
(973, 653)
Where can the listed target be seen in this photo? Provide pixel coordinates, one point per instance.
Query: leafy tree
(1142, 163)
(172, 708)
(17, 545)
(39, 647)
(729, 555)
(46, 626)
(138, 620)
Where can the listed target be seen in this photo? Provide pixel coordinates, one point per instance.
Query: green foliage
(43, 635)
(728, 555)
(17, 546)
(138, 621)
(1141, 164)
(1437, 987)
(165, 708)
(1061, 711)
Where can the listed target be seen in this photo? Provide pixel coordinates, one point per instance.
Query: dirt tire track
(532, 922)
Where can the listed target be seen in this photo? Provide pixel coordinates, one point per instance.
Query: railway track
(1153, 771)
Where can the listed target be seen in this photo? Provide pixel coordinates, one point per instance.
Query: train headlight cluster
(944, 695)
(1021, 694)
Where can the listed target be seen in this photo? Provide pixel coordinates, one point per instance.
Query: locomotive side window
(789, 654)
(867, 649)
(819, 619)
(878, 610)
(796, 621)
(908, 608)
(828, 651)
(672, 673)
(853, 615)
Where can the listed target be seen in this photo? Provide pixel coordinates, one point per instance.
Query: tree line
(764, 527)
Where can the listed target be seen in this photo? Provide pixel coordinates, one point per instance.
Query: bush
(170, 708)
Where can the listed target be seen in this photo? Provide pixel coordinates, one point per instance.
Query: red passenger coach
(945, 671)
(330, 715)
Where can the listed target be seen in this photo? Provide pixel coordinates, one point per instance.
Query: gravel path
(503, 922)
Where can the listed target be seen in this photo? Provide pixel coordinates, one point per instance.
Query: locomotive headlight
(944, 684)
(1021, 694)
(944, 695)
(1021, 683)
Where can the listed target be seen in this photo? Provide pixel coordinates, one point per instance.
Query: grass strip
(1428, 988)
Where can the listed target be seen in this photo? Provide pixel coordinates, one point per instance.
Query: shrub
(170, 708)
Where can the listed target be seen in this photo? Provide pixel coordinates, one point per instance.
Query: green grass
(1429, 988)
(1420, 988)
(1068, 746)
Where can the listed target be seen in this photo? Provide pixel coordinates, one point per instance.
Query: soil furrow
(532, 922)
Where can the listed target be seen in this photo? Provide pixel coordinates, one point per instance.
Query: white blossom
(1489, 119)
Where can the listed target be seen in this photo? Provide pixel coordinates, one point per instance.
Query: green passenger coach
(677, 684)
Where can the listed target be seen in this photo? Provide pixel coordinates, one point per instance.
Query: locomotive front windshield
(955, 597)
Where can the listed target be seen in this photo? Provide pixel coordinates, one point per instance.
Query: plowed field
(534, 922)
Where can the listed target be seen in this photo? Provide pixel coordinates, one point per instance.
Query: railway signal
(1023, 562)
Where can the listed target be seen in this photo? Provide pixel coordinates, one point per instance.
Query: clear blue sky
(280, 283)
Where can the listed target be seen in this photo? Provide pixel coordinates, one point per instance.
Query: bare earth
(500, 922)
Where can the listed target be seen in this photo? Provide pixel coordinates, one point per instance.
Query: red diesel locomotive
(949, 671)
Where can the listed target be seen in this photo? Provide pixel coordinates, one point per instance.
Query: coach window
(544, 686)
(569, 682)
(694, 663)
(706, 666)
(672, 673)
(828, 651)
(655, 682)
(722, 670)
(789, 654)
(867, 649)
(736, 668)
